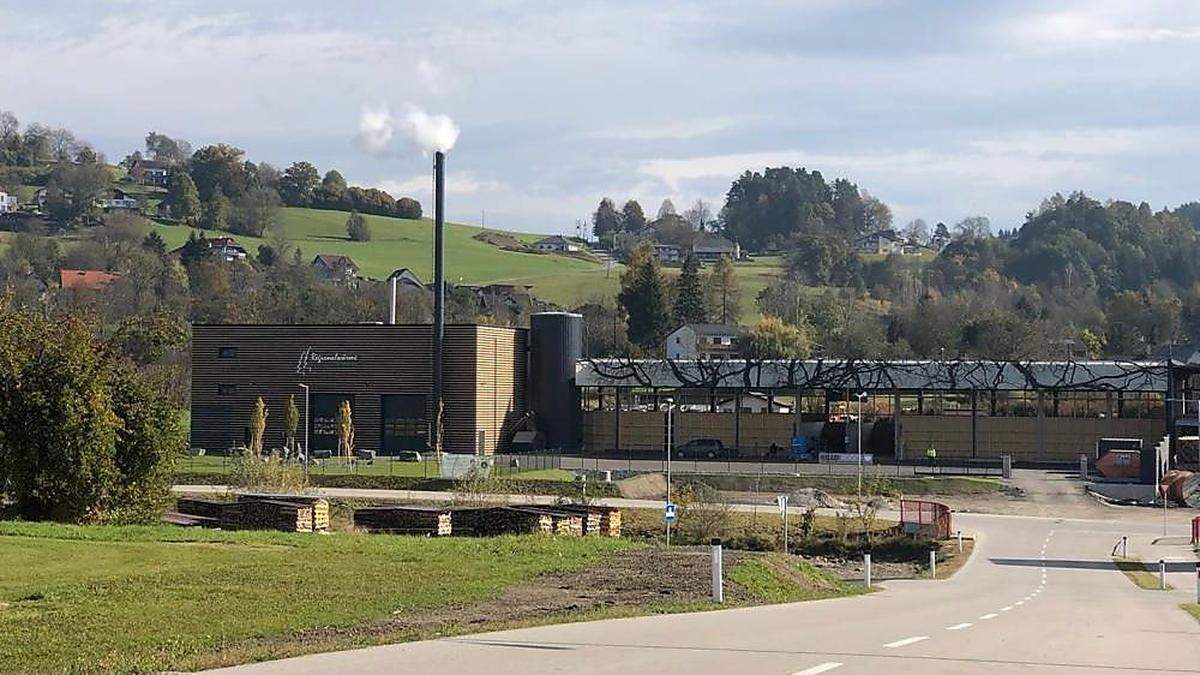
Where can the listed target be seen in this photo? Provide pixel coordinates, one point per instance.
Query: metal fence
(924, 517)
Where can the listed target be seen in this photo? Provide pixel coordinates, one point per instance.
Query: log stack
(604, 521)
(319, 506)
(561, 520)
(200, 508)
(497, 520)
(430, 521)
(267, 514)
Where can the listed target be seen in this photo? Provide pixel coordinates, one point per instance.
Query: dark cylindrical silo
(555, 344)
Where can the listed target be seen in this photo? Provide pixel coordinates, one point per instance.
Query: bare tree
(8, 125)
(63, 145)
(699, 216)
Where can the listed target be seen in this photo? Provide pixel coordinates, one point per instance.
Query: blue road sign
(669, 512)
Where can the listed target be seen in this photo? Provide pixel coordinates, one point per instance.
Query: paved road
(1039, 595)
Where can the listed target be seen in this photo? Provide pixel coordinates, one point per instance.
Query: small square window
(227, 352)
(226, 389)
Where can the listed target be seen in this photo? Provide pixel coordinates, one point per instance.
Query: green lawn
(138, 599)
(219, 466)
(397, 242)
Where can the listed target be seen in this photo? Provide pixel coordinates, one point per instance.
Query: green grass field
(139, 599)
(220, 466)
(397, 243)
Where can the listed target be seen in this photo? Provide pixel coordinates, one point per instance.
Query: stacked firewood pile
(286, 513)
(490, 521)
(487, 521)
(430, 521)
(604, 521)
(320, 506)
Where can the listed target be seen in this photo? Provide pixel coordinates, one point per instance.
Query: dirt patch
(643, 486)
(504, 241)
(637, 580)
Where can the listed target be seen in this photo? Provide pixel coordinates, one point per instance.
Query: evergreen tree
(633, 219)
(606, 221)
(154, 242)
(644, 297)
(724, 295)
(689, 294)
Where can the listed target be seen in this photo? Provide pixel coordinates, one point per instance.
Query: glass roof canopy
(872, 375)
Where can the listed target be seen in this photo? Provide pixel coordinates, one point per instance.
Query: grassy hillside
(399, 243)
(409, 243)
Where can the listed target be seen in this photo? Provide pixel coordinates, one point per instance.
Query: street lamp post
(307, 451)
(860, 396)
(670, 429)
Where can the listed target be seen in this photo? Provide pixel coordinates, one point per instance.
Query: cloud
(375, 130)
(675, 131)
(457, 183)
(1104, 24)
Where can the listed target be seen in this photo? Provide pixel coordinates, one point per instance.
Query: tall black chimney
(439, 293)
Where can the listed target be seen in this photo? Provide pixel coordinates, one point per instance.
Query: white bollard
(867, 568)
(1162, 575)
(933, 564)
(960, 541)
(1083, 467)
(718, 582)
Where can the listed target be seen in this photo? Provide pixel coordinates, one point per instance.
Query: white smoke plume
(375, 130)
(429, 133)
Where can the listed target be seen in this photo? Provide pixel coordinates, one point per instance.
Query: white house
(705, 341)
(8, 203)
(119, 200)
(557, 244)
(754, 403)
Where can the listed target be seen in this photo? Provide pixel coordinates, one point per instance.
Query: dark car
(407, 456)
(705, 448)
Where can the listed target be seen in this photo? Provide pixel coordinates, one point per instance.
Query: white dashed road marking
(1005, 609)
(959, 626)
(821, 668)
(985, 617)
(906, 641)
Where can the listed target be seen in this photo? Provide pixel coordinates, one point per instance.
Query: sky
(941, 108)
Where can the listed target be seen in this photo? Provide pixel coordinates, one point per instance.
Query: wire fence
(559, 465)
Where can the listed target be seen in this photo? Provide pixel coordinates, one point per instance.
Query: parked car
(705, 448)
(407, 456)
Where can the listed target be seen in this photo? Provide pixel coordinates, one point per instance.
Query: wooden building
(383, 370)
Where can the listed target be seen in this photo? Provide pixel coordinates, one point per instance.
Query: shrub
(357, 228)
(270, 473)
(83, 436)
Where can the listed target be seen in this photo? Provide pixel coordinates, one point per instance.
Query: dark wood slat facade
(232, 365)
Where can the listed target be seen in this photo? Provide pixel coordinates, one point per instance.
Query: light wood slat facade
(232, 365)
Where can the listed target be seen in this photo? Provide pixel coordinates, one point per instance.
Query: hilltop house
(8, 203)
(225, 249)
(149, 172)
(88, 280)
(705, 341)
(339, 268)
(119, 200)
(557, 244)
(882, 242)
